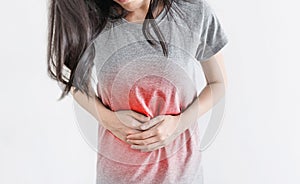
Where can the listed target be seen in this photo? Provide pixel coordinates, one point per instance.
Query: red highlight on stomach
(154, 95)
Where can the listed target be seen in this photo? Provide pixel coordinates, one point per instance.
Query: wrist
(188, 117)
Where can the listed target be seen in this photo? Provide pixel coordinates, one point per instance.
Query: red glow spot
(154, 95)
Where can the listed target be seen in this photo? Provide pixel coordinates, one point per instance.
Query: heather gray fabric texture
(131, 74)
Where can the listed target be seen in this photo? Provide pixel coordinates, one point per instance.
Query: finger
(139, 116)
(135, 124)
(130, 131)
(152, 122)
(150, 147)
(142, 135)
(147, 141)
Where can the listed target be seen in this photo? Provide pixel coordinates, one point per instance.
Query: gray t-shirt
(134, 75)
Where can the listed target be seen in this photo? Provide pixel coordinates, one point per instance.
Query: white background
(40, 141)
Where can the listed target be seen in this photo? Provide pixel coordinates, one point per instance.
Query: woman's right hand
(124, 122)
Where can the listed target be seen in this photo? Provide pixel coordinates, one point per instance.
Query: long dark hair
(73, 25)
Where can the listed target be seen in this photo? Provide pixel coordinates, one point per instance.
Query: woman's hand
(124, 122)
(162, 130)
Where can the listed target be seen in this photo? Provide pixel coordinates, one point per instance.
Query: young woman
(148, 56)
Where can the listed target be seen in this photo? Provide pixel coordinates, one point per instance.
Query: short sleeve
(212, 35)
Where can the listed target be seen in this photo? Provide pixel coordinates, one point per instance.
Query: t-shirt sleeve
(212, 35)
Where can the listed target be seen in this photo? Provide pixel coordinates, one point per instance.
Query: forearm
(92, 105)
(209, 96)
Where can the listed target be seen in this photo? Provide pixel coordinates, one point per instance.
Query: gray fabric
(131, 74)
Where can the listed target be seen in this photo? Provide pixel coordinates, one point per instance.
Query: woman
(149, 95)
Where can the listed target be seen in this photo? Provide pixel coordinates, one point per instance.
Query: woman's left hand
(159, 132)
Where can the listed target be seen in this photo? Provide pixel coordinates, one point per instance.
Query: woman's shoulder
(190, 2)
(194, 5)
(195, 11)
(194, 8)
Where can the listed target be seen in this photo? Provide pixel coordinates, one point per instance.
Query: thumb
(139, 116)
(152, 122)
